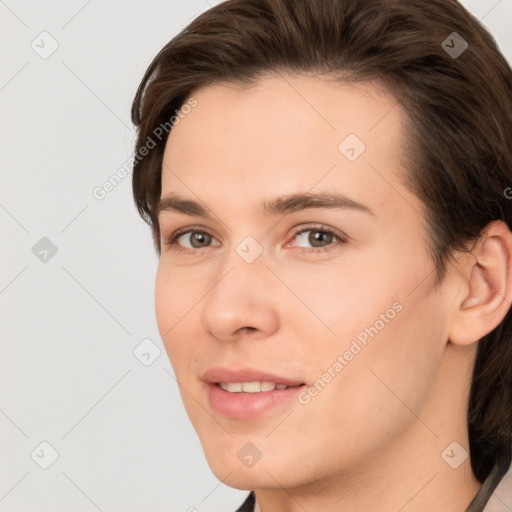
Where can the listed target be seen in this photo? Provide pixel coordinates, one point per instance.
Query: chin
(248, 479)
(265, 473)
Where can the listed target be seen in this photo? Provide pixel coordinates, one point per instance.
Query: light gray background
(70, 324)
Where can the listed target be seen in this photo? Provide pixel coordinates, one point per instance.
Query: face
(303, 264)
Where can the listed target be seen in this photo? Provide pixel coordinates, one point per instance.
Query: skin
(375, 433)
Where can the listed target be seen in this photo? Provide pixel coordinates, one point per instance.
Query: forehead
(290, 131)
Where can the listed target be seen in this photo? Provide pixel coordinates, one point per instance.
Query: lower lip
(248, 405)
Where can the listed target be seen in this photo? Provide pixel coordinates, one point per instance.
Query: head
(261, 99)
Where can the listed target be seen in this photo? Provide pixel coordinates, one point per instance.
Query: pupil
(200, 238)
(317, 237)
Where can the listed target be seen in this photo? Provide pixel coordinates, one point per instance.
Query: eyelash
(171, 241)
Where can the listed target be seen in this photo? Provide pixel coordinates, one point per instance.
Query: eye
(312, 239)
(190, 240)
(317, 238)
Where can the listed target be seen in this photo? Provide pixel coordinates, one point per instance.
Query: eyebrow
(278, 206)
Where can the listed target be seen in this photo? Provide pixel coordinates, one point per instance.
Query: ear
(487, 286)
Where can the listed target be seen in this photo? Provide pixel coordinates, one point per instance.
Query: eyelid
(171, 240)
(342, 238)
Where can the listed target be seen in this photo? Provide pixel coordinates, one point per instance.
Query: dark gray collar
(492, 481)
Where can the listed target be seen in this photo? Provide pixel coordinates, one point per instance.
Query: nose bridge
(239, 297)
(247, 261)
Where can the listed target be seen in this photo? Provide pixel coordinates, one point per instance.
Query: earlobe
(488, 284)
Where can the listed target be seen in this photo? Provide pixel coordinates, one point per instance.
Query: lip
(247, 405)
(219, 374)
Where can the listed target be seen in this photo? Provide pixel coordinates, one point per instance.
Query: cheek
(339, 302)
(175, 298)
(381, 381)
(178, 292)
(362, 294)
(383, 321)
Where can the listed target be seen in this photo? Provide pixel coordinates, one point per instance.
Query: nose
(240, 302)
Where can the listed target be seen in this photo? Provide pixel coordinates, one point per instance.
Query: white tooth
(267, 386)
(232, 387)
(251, 387)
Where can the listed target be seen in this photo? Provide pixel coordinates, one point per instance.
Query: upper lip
(219, 374)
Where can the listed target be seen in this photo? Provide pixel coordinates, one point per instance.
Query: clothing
(501, 471)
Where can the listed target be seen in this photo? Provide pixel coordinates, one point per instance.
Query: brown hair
(459, 116)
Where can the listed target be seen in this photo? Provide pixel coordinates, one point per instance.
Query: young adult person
(328, 184)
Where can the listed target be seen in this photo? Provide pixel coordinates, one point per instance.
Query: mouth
(262, 386)
(247, 394)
